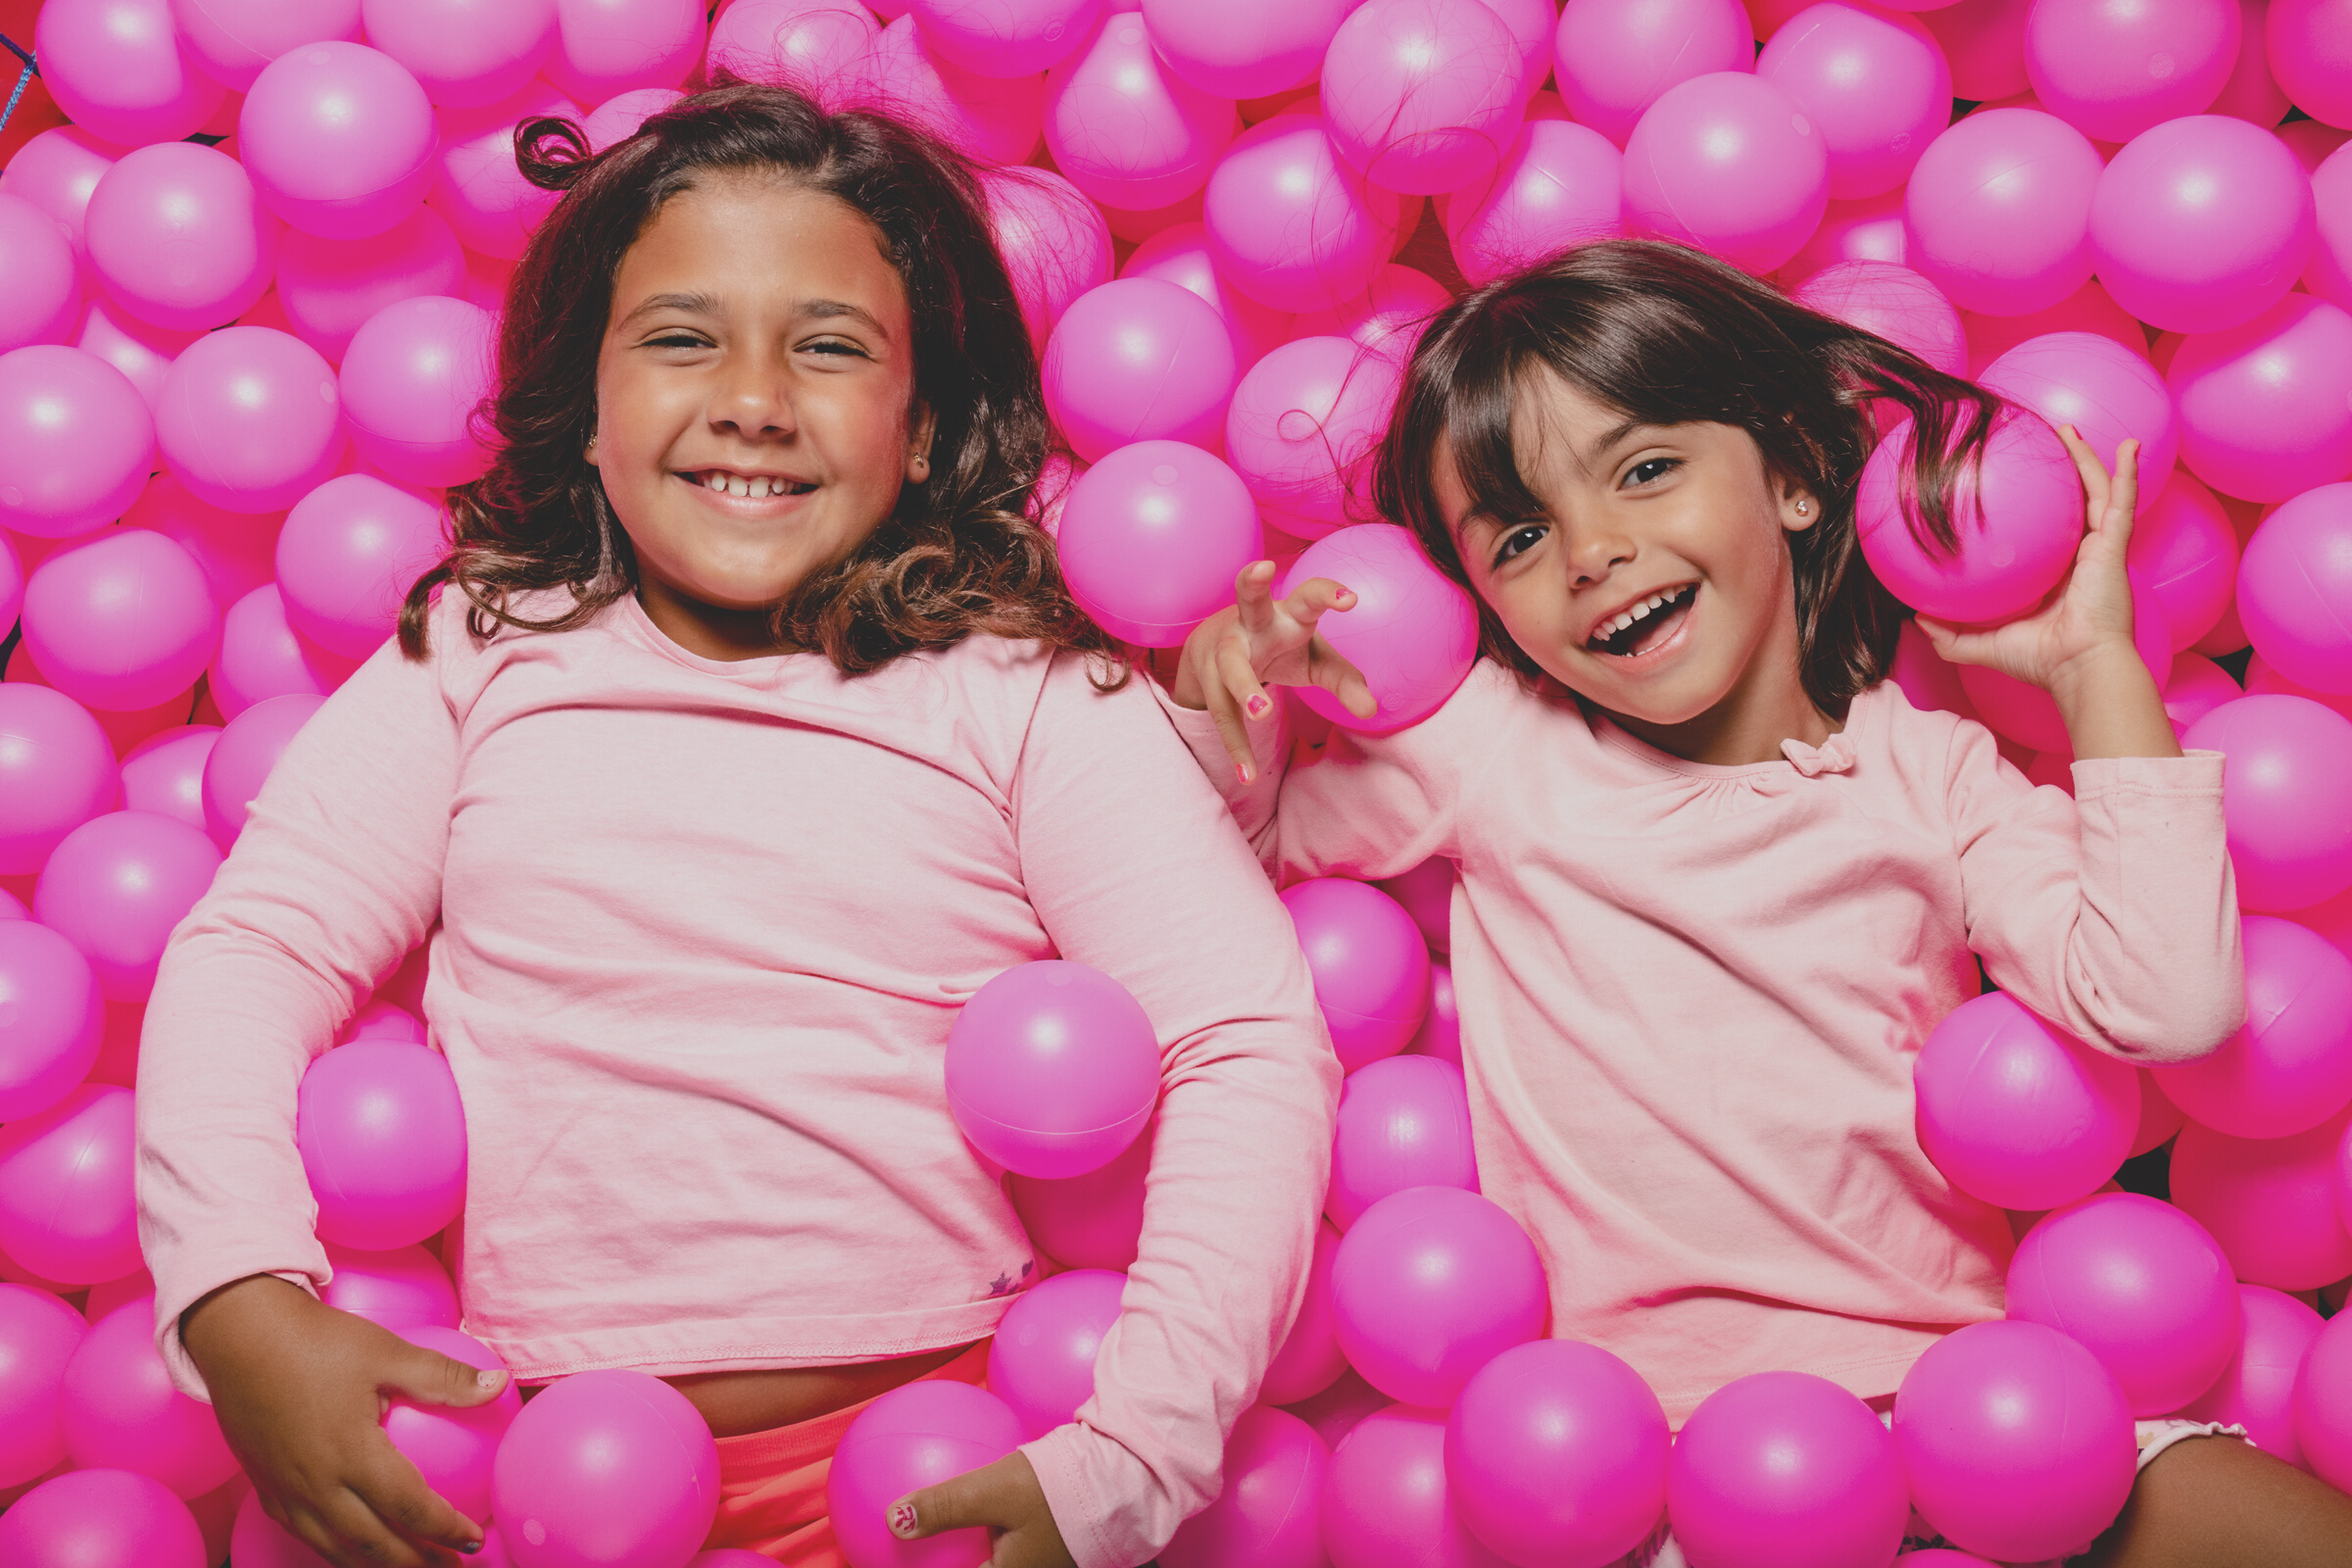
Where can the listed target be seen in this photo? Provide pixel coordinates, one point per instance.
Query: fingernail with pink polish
(1242, 770)
(1257, 706)
(902, 1521)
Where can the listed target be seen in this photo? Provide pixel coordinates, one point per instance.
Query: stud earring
(1803, 506)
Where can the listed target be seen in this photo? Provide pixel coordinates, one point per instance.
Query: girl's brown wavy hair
(1668, 335)
(958, 556)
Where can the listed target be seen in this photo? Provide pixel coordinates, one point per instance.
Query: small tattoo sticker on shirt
(1006, 1284)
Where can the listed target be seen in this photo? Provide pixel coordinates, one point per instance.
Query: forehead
(744, 237)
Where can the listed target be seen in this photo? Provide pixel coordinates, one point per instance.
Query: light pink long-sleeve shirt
(1691, 995)
(703, 929)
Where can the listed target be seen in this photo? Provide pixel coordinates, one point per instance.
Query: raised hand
(1232, 657)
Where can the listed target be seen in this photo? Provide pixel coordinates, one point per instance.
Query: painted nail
(1242, 769)
(488, 1379)
(1257, 706)
(902, 1520)
(471, 1547)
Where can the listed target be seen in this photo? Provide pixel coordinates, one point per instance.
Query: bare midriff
(737, 1402)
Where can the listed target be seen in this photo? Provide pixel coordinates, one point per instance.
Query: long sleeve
(1133, 867)
(336, 875)
(2113, 916)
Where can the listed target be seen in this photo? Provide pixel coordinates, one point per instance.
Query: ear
(1799, 507)
(588, 452)
(920, 424)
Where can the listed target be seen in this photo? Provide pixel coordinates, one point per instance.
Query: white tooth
(760, 489)
(1655, 600)
(738, 485)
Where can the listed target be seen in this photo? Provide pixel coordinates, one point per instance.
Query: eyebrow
(696, 304)
(1609, 438)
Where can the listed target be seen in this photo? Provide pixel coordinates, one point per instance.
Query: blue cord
(16, 94)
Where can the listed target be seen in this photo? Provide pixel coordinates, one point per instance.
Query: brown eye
(1516, 541)
(1652, 470)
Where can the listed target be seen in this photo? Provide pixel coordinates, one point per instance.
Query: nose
(1596, 547)
(753, 395)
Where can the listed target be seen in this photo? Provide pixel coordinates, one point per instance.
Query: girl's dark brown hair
(958, 556)
(1667, 335)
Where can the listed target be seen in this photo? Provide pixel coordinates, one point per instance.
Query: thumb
(428, 1377)
(962, 1502)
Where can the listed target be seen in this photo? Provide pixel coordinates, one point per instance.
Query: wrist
(2104, 667)
(227, 1313)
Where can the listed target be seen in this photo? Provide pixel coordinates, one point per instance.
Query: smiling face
(1657, 582)
(756, 412)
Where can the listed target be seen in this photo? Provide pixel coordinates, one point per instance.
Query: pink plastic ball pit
(604, 1468)
(2106, 392)
(1997, 211)
(43, 302)
(141, 352)
(347, 556)
(1423, 96)
(121, 622)
(464, 53)
(1139, 358)
(604, 47)
(249, 418)
(232, 549)
(120, 1412)
(329, 288)
(1412, 631)
(1041, 1360)
(2270, 1201)
(2323, 1405)
(1126, 129)
(1895, 303)
(2026, 713)
(2289, 1068)
(1310, 1360)
(178, 237)
(2015, 1113)
(65, 1206)
(2294, 585)
(411, 381)
(913, 1437)
(2257, 1389)
(816, 45)
(263, 657)
(1875, 84)
(1290, 223)
(2328, 272)
(2185, 550)
(76, 442)
(609, 123)
(101, 1519)
(242, 757)
(2112, 71)
(1556, 1452)
(1727, 162)
(1052, 1069)
(51, 1016)
(2266, 408)
(1785, 1470)
(2197, 688)
(1151, 538)
(56, 170)
(452, 1448)
(1370, 969)
(1869, 230)
(995, 120)
(2310, 51)
(1390, 316)
(2286, 796)
(1053, 239)
(115, 886)
(39, 1336)
(2090, 309)
(1266, 1515)
(1386, 1499)
(1559, 185)
(233, 39)
(117, 71)
(339, 139)
(164, 772)
(383, 1135)
(1431, 1284)
(1304, 427)
(478, 189)
(1091, 1220)
(399, 1289)
(1004, 37)
(1244, 48)
(1403, 1123)
(1179, 254)
(57, 771)
(2202, 223)
(2019, 519)
(1615, 58)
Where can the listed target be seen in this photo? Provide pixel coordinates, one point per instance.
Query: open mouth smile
(1645, 626)
(746, 486)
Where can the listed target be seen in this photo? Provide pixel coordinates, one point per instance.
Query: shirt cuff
(2192, 773)
(1100, 1495)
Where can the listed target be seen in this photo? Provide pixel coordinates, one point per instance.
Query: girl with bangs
(746, 731)
(1718, 878)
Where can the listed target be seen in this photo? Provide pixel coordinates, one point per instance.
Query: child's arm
(337, 874)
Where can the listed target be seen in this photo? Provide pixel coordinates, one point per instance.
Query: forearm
(2111, 706)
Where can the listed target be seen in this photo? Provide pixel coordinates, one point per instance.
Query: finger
(1334, 674)
(1253, 596)
(1240, 680)
(977, 1497)
(395, 1492)
(361, 1537)
(2093, 470)
(1226, 710)
(2123, 498)
(428, 1377)
(1312, 599)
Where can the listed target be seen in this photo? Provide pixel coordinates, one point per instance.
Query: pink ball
(1615, 58)
(101, 1519)
(1897, 304)
(2185, 550)
(164, 772)
(1427, 894)
(1042, 1362)
(1125, 129)
(1266, 1515)
(1997, 212)
(2289, 1068)
(916, 1436)
(178, 237)
(452, 1448)
(1310, 1359)
(56, 170)
(121, 622)
(399, 1289)
(1370, 969)
(478, 188)
(39, 1335)
(2323, 1405)
(233, 39)
(2104, 390)
(2294, 584)
(816, 45)
(141, 352)
(1092, 1220)
(1004, 37)
(1440, 1035)
(2287, 797)
(1869, 230)
(1391, 316)
(2270, 1201)
(43, 302)
(1152, 539)
(108, 1295)
(249, 420)
(339, 139)
(2016, 1113)
(2202, 223)
(609, 123)
(2017, 1442)
(1052, 1069)
(2027, 714)
(347, 556)
(604, 47)
(2266, 408)
(2197, 687)
(329, 288)
(1557, 1451)
(382, 1020)
(383, 1135)
(1423, 95)
(51, 1017)
(1290, 223)
(241, 761)
(1729, 164)
(2328, 273)
(410, 381)
(263, 657)
(608, 1467)
(995, 120)
(57, 771)
(115, 886)
(1179, 254)
(1052, 240)
(1304, 427)
(1403, 1123)
(1785, 1470)
(116, 68)
(2257, 1389)
(2019, 519)
(121, 1411)
(1559, 184)
(76, 442)
(1874, 83)
(2112, 71)
(2088, 309)
(232, 549)
(464, 53)
(2310, 50)
(65, 1206)
(1139, 358)
(1385, 1500)
(1412, 632)
(1244, 48)
(256, 1540)
(1429, 1286)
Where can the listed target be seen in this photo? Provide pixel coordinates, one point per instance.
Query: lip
(1628, 602)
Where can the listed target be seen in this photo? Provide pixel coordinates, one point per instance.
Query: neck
(1767, 706)
(707, 631)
